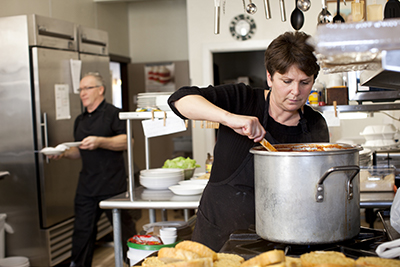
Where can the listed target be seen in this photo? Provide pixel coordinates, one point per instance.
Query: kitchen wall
(158, 31)
(110, 17)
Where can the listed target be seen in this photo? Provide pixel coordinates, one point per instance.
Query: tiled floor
(104, 253)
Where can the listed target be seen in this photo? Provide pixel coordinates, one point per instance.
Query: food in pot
(310, 147)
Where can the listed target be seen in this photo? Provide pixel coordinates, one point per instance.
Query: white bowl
(164, 172)
(187, 189)
(168, 239)
(168, 231)
(159, 183)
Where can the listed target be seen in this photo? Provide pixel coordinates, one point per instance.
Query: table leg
(116, 214)
(164, 216)
(152, 215)
(186, 214)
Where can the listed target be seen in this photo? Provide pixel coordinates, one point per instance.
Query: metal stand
(116, 213)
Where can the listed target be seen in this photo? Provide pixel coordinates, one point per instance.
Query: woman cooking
(246, 115)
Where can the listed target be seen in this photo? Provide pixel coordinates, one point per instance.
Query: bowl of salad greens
(187, 164)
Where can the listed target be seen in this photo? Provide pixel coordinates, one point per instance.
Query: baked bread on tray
(193, 254)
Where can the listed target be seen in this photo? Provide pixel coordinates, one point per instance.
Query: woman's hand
(196, 107)
(246, 125)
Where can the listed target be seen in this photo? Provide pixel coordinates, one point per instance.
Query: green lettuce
(181, 163)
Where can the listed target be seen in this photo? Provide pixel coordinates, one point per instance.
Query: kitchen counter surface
(151, 199)
(376, 199)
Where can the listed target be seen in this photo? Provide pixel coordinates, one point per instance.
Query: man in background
(103, 140)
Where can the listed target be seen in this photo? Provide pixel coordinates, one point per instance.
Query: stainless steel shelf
(361, 108)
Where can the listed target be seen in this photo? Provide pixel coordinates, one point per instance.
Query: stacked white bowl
(160, 178)
(379, 136)
(168, 235)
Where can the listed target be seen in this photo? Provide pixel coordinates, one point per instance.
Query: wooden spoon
(267, 145)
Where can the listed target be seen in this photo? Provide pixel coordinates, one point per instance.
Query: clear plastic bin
(377, 178)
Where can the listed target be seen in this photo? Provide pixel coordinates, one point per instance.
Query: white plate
(177, 224)
(202, 182)
(186, 190)
(72, 144)
(51, 151)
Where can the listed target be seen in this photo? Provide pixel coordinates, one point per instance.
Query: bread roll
(292, 262)
(200, 249)
(168, 255)
(201, 262)
(266, 258)
(377, 262)
(230, 256)
(326, 259)
(226, 263)
(152, 261)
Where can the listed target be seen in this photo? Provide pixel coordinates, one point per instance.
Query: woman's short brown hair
(290, 48)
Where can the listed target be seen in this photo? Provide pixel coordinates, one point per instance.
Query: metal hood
(370, 47)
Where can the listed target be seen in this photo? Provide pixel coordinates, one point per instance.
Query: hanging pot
(306, 196)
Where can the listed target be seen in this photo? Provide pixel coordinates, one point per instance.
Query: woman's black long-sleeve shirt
(231, 148)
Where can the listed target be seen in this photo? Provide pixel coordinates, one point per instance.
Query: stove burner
(248, 244)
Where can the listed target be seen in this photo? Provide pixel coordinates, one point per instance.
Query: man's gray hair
(99, 79)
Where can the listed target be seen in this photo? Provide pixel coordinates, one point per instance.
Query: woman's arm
(196, 107)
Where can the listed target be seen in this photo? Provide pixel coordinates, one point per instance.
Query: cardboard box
(339, 94)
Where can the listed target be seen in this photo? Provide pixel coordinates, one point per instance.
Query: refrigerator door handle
(46, 136)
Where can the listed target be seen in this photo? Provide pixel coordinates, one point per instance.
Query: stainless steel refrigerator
(38, 107)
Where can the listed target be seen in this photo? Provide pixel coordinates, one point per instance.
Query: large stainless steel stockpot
(307, 193)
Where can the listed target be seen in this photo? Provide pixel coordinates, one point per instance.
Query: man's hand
(115, 143)
(90, 143)
(56, 157)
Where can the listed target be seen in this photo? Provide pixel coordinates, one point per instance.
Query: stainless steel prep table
(143, 199)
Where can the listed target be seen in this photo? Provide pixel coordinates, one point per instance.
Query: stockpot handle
(320, 186)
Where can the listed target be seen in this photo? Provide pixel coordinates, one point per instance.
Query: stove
(248, 244)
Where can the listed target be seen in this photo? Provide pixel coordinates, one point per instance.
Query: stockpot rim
(346, 149)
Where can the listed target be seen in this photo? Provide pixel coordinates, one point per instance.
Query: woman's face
(290, 90)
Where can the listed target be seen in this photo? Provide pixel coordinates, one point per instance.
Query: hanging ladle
(338, 18)
(251, 8)
(297, 18)
(304, 5)
(217, 11)
(324, 16)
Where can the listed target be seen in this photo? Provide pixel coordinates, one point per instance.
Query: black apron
(230, 205)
